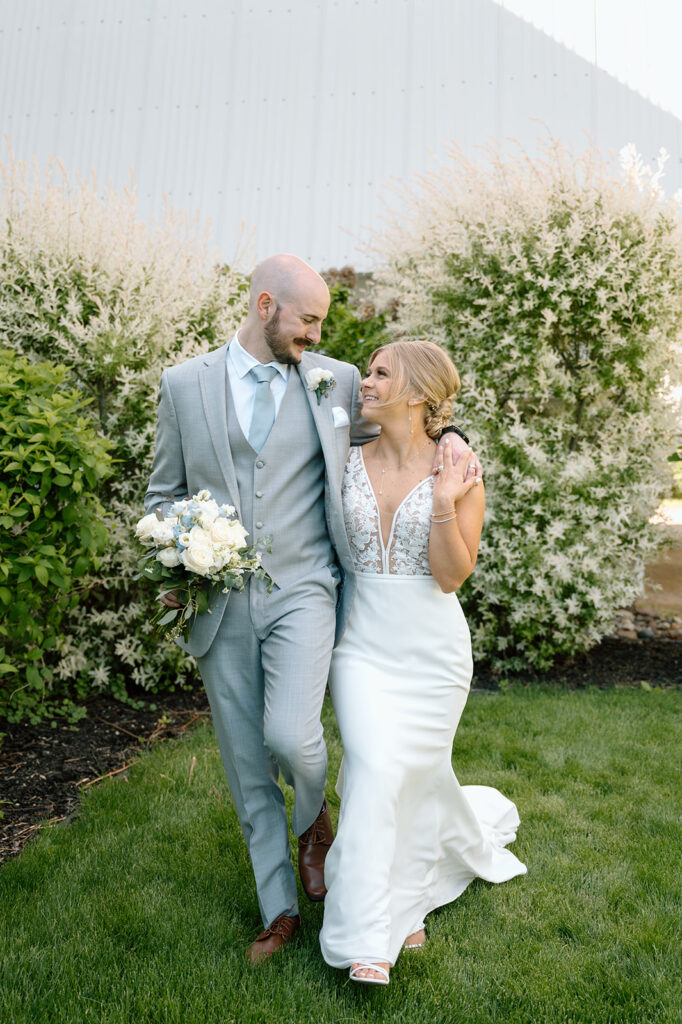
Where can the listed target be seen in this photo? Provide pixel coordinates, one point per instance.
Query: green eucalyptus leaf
(170, 615)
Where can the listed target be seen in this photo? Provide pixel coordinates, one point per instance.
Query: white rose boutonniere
(320, 381)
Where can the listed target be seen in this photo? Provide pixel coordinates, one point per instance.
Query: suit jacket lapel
(322, 414)
(213, 384)
(324, 421)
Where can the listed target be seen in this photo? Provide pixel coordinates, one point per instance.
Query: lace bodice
(407, 551)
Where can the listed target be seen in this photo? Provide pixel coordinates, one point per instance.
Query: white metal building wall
(289, 116)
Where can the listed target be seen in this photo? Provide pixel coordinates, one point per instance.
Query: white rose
(198, 558)
(241, 534)
(226, 531)
(238, 534)
(163, 532)
(198, 535)
(144, 528)
(168, 557)
(314, 377)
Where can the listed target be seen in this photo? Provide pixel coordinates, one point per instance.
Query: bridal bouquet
(197, 550)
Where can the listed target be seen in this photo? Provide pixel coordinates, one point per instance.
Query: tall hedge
(556, 284)
(354, 327)
(85, 283)
(52, 464)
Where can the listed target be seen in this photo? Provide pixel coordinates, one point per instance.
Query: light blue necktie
(263, 407)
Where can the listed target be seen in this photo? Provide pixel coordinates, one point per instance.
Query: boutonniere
(320, 381)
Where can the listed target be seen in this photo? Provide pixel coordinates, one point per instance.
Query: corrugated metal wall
(287, 116)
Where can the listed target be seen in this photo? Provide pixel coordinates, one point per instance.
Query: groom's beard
(281, 348)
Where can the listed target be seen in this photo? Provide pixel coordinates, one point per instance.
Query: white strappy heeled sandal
(415, 945)
(354, 976)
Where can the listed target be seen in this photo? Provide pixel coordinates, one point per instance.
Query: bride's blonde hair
(422, 369)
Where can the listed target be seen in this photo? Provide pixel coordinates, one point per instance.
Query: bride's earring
(409, 417)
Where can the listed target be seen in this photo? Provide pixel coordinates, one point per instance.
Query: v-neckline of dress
(386, 547)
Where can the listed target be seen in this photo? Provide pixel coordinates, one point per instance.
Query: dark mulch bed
(657, 662)
(44, 769)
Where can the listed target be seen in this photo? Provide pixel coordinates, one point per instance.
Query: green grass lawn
(141, 908)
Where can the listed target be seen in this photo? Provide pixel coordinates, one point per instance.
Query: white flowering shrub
(85, 283)
(557, 288)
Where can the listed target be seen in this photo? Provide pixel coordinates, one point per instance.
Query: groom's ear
(266, 305)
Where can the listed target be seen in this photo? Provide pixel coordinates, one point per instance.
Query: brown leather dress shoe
(313, 847)
(281, 931)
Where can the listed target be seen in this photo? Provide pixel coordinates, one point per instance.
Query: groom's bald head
(286, 278)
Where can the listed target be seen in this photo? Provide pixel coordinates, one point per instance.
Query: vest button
(259, 494)
(259, 525)
(260, 464)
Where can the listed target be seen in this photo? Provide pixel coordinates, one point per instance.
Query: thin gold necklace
(391, 470)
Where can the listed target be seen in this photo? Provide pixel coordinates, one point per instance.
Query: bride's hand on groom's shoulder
(454, 446)
(456, 470)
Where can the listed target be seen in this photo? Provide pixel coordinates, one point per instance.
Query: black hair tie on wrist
(452, 429)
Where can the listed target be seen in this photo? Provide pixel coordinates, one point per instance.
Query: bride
(410, 838)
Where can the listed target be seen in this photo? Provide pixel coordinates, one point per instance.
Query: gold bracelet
(445, 512)
(437, 522)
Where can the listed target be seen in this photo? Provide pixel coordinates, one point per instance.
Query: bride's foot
(370, 973)
(416, 940)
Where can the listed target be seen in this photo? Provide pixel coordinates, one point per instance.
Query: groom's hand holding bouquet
(197, 550)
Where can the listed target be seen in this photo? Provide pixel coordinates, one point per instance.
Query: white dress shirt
(243, 383)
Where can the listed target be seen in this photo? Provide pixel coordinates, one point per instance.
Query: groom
(247, 423)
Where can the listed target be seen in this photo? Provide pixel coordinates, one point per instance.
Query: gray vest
(287, 506)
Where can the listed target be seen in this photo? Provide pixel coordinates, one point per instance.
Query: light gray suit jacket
(193, 452)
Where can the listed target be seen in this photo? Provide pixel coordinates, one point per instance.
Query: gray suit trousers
(265, 675)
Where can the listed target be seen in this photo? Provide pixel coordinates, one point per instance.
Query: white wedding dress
(410, 838)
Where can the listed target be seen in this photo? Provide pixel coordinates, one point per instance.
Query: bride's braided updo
(421, 369)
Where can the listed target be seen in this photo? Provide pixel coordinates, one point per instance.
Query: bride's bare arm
(456, 521)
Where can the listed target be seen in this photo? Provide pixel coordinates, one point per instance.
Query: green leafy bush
(51, 526)
(353, 328)
(85, 283)
(556, 287)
